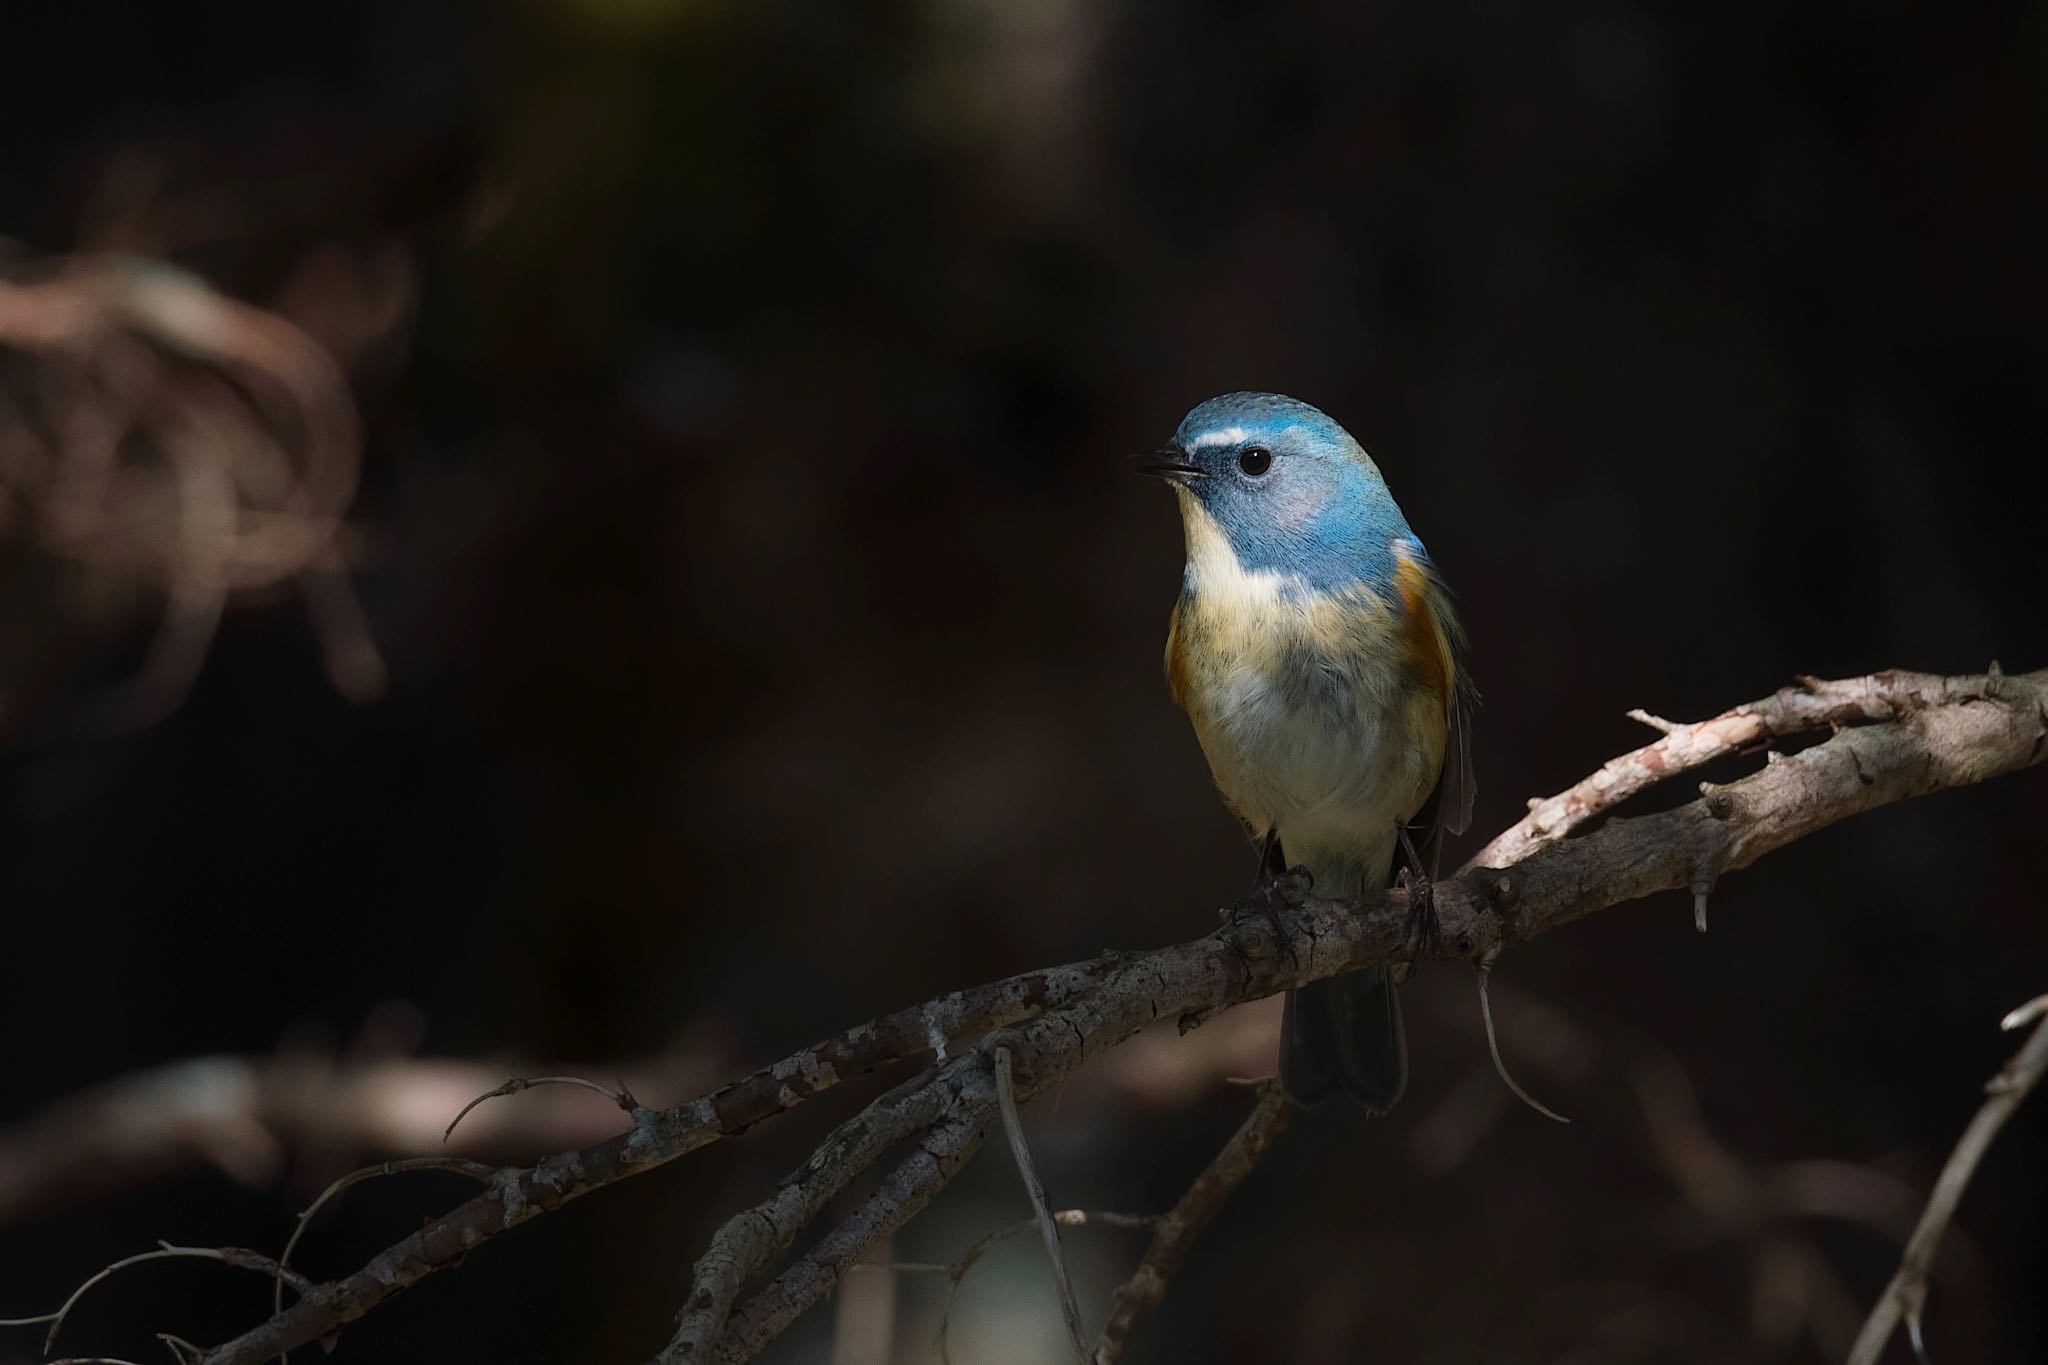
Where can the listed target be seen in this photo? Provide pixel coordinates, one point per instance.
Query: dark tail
(1344, 1034)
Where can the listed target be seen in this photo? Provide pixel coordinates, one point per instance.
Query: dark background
(774, 636)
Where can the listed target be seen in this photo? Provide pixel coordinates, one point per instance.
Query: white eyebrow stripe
(1228, 436)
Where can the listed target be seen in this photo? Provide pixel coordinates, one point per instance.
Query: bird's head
(1282, 488)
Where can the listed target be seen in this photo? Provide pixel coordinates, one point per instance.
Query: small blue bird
(1316, 652)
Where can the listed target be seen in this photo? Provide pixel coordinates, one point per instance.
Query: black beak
(1170, 464)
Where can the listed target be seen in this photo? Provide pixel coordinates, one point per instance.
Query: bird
(1317, 653)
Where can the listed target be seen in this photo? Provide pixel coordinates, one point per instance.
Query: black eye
(1255, 461)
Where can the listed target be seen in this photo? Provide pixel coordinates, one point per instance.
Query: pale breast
(1311, 720)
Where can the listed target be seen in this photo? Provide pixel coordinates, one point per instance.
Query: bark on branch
(1897, 736)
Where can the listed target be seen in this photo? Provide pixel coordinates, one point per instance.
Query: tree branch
(1906, 1295)
(1902, 735)
(1177, 1232)
(1813, 705)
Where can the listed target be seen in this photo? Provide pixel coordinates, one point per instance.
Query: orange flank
(1423, 642)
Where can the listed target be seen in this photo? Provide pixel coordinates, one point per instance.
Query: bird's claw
(1425, 930)
(1290, 888)
(1285, 890)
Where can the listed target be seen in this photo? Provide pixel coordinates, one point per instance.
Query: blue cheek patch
(1348, 540)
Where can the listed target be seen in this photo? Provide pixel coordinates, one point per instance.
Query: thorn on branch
(2025, 1014)
(1914, 1335)
(1657, 723)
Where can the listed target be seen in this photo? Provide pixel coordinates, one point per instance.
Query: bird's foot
(1425, 930)
(1272, 894)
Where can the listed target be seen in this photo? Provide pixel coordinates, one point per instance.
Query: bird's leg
(1272, 862)
(1289, 884)
(1276, 886)
(1424, 929)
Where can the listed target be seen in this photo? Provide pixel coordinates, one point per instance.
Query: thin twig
(1177, 1231)
(1906, 1295)
(1493, 1049)
(621, 1096)
(237, 1257)
(1034, 1190)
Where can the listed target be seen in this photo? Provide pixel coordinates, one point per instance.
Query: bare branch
(937, 1158)
(1178, 1231)
(1814, 705)
(1906, 1295)
(1041, 1209)
(749, 1239)
(1902, 736)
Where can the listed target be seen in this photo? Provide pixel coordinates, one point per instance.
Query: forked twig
(1906, 1296)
